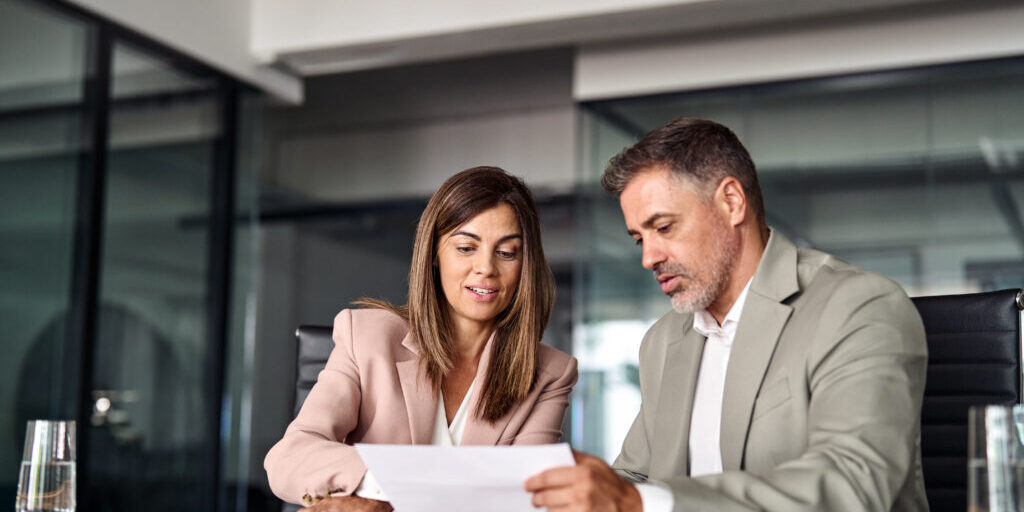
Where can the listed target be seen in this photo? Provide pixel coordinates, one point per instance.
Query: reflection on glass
(42, 56)
(917, 175)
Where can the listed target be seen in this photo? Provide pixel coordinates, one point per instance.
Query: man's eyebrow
(654, 218)
(647, 224)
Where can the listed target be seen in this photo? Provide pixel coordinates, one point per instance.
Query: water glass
(47, 480)
(995, 464)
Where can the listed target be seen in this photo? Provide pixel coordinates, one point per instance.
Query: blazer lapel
(675, 405)
(420, 401)
(479, 431)
(761, 322)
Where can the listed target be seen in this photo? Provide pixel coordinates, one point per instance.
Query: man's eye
(639, 241)
(664, 229)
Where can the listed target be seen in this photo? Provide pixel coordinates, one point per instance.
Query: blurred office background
(183, 183)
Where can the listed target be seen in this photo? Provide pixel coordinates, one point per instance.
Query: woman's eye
(464, 249)
(508, 255)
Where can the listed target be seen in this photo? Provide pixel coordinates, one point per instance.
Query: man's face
(687, 241)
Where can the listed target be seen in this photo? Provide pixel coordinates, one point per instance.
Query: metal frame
(220, 247)
(838, 82)
(1019, 300)
(88, 236)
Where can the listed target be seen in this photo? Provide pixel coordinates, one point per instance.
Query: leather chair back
(313, 347)
(974, 357)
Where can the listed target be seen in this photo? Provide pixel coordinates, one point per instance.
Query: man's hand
(348, 504)
(590, 485)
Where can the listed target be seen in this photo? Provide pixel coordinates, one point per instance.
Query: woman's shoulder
(370, 322)
(554, 362)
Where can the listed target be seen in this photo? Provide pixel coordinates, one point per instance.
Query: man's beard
(703, 287)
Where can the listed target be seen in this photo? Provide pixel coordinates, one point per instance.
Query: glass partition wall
(43, 134)
(118, 178)
(916, 174)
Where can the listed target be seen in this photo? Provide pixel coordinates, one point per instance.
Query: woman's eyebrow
(466, 233)
(477, 237)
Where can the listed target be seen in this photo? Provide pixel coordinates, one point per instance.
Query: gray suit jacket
(822, 395)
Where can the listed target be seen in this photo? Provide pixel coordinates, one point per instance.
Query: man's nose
(652, 254)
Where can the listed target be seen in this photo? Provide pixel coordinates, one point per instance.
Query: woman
(461, 363)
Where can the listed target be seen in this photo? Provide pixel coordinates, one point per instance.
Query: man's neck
(752, 247)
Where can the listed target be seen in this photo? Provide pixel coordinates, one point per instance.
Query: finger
(560, 497)
(557, 477)
(584, 459)
(558, 508)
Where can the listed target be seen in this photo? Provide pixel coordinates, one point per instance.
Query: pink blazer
(373, 390)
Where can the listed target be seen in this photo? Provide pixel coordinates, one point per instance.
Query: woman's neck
(469, 340)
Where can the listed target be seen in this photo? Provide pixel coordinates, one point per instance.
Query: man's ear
(732, 200)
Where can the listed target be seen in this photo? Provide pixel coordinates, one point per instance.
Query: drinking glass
(47, 481)
(995, 464)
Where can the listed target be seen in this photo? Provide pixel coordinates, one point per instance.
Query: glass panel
(42, 67)
(150, 441)
(915, 174)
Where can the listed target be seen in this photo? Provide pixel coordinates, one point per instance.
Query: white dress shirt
(705, 453)
(444, 435)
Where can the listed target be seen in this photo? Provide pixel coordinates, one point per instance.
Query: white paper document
(427, 478)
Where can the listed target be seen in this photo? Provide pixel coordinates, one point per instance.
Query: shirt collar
(705, 323)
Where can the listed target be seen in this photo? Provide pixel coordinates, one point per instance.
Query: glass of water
(995, 465)
(47, 481)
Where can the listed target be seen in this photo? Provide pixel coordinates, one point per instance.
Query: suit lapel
(761, 322)
(420, 401)
(678, 383)
(758, 332)
(479, 431)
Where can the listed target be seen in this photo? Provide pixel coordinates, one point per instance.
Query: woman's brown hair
(513, 363)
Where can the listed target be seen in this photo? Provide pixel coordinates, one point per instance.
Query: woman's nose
(483, 263)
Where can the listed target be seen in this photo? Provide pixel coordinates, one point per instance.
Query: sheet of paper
(426, 478)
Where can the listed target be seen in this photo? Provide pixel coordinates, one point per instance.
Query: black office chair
(313, 347)
(974, 357)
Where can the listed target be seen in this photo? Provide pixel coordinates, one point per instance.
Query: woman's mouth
(483, 293)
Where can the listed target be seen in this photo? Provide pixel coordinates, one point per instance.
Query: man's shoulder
(833, 291)
(821, 270)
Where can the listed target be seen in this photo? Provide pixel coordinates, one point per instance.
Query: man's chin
(684, 305)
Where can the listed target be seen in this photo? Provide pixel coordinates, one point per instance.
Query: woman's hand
(348, 504)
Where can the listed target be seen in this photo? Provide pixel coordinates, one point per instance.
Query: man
(784, 379)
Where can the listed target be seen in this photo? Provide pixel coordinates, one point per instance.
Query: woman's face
(480, 263)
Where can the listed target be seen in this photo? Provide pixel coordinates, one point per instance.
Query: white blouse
(444, 435)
